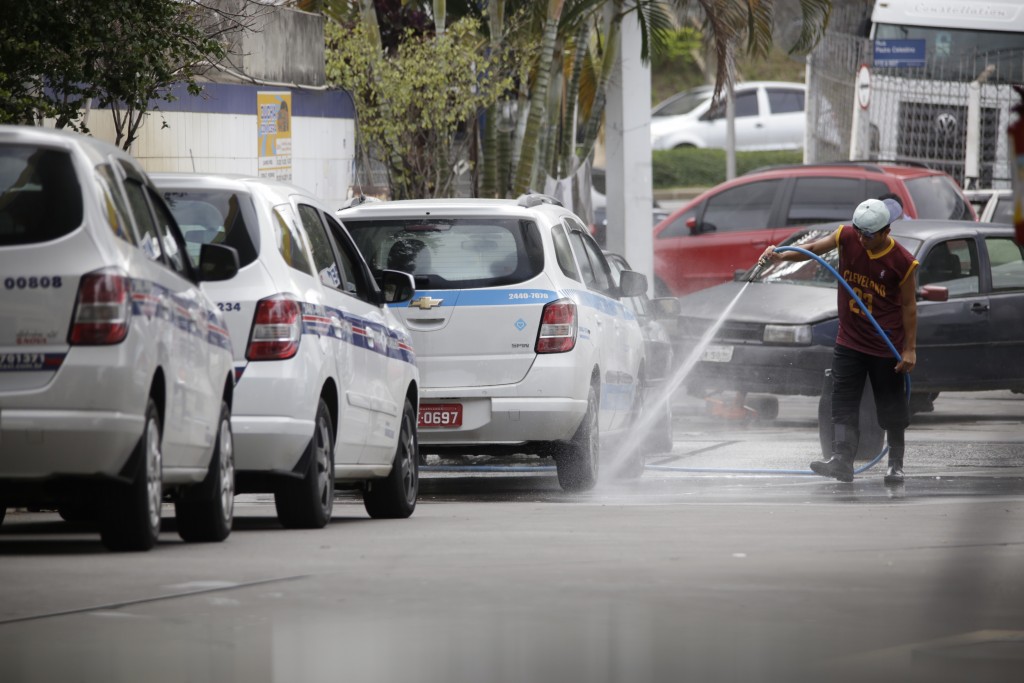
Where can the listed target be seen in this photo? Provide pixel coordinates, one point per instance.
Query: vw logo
(946, 124)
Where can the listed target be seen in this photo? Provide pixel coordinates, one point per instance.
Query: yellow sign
(274, 112)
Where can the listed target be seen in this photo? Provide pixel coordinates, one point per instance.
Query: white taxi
(523, 342)
(327, 379)
(116, 379)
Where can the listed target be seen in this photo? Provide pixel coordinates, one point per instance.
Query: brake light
(103, 309)
(276, 329)
(557, 327)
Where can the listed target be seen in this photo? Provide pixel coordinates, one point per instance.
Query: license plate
(441, 415)
(717, 354)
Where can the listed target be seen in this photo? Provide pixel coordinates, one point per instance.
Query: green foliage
(678, 48)
(417, 108)
(57, 55)
(694, 167)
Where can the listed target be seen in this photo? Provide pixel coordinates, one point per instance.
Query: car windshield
(40, 198)
(683, 103)
(811, 272)
(215, 217)
(452, 253)
(937, 196)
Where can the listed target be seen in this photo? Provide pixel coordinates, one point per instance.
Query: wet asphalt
(715, 565)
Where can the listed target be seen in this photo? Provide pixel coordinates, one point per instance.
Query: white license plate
(717, 354)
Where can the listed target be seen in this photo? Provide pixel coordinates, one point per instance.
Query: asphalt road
(699, 571)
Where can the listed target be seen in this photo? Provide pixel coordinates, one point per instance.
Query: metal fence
(950, 115)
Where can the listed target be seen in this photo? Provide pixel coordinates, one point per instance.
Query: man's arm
(818, 246)
(908, 293)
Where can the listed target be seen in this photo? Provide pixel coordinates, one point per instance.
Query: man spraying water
(882, 274)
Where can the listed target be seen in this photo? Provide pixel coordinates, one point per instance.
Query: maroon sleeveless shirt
(876, 277)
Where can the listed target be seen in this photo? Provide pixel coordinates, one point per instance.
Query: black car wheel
(577, 462)
(307, 503)
(130, 519)
(205, 512)
(395, 496)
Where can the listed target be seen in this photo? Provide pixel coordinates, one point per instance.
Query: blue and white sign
(900, 53)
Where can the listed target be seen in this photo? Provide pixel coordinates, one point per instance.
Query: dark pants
(849, 370)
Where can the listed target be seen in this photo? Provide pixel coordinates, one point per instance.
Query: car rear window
(40, 196)
(455, 253)
(215, 217)
(938, 197)
(820, 199)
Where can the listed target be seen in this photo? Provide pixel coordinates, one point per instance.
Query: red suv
(726, 228)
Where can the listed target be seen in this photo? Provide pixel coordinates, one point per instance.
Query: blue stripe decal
(515, 297)
(357, 331)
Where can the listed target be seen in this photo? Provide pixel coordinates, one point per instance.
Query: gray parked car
(778, 339)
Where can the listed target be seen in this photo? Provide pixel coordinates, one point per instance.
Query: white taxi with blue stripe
(116, 378)
(327, 379)
(522, 339)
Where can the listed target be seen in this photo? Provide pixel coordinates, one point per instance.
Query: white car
(523, 342)
(992, 206)
(769, 115)
(327, 380)
(116, 379)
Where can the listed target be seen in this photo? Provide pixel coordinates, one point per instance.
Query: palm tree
(564, 51)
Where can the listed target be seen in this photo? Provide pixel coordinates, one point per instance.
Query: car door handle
(979, 308)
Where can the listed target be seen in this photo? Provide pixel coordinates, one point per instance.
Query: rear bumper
(547, 405)
(505, 420)
(37, 444)
(269, 443)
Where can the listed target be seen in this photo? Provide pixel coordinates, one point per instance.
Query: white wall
(323, 147)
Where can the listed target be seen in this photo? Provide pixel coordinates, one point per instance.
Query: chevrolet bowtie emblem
(425, 303)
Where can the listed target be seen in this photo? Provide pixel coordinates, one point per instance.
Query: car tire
(577, 462)
(394, 497)
(130, 518)
(871, 435)
(307, 503)
(3, 512)
(205, 511)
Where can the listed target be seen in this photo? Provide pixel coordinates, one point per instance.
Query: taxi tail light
(276, 329)
(557, 327)
(103, 309)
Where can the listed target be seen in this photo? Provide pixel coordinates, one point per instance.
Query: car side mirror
(397, 286)
(933, 293)
(632, 283)
(217, 262)
(692, 225)
(666, 307)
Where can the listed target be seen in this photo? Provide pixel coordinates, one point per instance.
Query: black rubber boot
(838, 467)
(844, 449)
(894, 475)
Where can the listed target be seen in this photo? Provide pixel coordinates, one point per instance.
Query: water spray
(756, 270)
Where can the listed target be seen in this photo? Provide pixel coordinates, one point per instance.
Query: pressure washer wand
(756, 270)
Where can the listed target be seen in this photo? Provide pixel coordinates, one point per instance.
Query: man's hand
(908, 363)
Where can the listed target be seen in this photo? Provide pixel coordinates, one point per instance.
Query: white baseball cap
(873, 214)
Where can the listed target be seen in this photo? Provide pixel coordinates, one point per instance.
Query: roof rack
(357, 200)
(532, 199)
